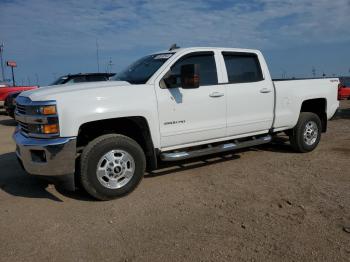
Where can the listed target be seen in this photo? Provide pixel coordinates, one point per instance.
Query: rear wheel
(306, 135)
(111, 166)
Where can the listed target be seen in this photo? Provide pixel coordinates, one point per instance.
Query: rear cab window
(242, 67)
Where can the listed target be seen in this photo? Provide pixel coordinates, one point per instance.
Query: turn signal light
(49, 110)
(50, 129)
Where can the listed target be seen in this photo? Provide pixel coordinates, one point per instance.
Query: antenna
(173, 46)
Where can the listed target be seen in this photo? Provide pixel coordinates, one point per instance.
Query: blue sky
(52, 38)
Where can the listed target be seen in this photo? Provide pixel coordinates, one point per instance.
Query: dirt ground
(260, 204)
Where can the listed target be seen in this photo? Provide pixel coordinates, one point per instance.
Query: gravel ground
(260, 204)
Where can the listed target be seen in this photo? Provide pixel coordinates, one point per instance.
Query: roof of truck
(90, 74)
(198, 48)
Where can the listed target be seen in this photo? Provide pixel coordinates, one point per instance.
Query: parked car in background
(10, 101)
(79, 78)
(344, 88)
(6, 90)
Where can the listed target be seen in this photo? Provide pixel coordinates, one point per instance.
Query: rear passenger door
(250, 97)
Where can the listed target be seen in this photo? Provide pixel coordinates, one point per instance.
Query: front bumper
(49, 157)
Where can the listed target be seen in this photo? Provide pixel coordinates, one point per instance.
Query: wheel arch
(135, 127)
(317, 106)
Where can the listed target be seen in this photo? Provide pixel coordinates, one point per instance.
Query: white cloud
(40, 31)
(67, 25)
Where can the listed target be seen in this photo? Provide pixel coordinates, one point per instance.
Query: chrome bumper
(49, 157)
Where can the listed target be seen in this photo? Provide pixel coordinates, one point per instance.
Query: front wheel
(111, 166)
(306, 135)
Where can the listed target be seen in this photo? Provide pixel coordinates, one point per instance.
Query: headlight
(50, 129)
(45, 129)
(38, 119)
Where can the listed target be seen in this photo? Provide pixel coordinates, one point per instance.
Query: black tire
(93, 153)
(12, 114)
(296, 136)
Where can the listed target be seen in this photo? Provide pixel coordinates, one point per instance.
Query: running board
(180, 155)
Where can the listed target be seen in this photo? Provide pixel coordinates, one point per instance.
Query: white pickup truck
(168, 106)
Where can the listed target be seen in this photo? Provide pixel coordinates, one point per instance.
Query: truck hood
(49, 92)
(78, 104)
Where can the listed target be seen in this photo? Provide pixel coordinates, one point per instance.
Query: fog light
(38, 156)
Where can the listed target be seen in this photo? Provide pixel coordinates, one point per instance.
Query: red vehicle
(344, 88)
(6, 90)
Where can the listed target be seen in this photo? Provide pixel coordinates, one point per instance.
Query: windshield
(140, 71)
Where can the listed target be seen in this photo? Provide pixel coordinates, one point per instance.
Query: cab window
(207, 68)
(242, 67)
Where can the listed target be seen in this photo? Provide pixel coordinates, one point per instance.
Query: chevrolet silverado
(167, 106)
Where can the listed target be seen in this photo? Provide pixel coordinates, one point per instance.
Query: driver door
(192, 115)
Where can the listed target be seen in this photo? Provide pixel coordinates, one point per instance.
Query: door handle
(216, 94)
(265, 90)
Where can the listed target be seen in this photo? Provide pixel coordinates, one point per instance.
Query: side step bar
(180, 155)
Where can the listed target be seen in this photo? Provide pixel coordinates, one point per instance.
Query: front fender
(78, 108)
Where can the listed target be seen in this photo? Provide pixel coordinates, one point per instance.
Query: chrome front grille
(21, 109)
(24, 127)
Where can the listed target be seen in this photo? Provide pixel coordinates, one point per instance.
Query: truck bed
(290, 93)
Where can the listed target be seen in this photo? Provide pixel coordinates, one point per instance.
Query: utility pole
(12, 64)
(13, 77)
(284, 74)
(37, 79)
(97, 57)
(109, 65)
(2, 62)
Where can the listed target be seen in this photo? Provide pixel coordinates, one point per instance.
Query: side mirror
(170, 80)
(190, 76)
